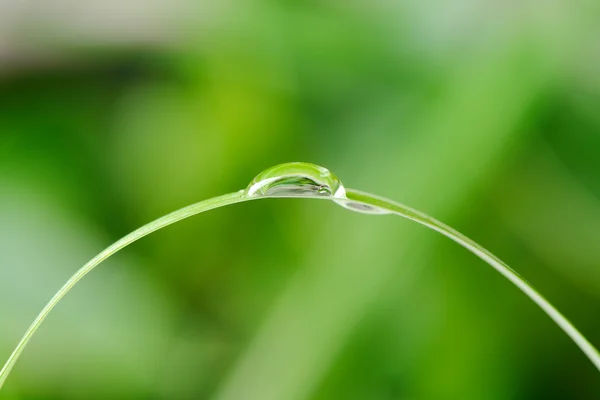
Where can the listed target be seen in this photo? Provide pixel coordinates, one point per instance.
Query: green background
(483, 114)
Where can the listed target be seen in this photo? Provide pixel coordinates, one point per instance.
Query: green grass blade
(371, 202)
(399, 209)
(139, 233)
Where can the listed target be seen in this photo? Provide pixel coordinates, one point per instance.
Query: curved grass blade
(139, 233)
(406, 212)
(307, 181)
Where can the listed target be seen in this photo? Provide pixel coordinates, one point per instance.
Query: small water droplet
(296, 180)
(361, 207)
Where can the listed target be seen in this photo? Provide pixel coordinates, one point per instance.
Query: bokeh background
(485, 114)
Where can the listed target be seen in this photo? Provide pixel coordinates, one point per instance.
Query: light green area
(483, 114)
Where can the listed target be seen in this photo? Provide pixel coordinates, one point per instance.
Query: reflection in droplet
(296, 180)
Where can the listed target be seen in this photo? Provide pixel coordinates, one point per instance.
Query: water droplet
(361, 207)
(296, 180)
(305, 180)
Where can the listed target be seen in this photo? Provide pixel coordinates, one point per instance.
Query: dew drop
(299, 179)
(296, 180)
(361, 207)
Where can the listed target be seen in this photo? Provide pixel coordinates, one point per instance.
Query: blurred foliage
(482, 114)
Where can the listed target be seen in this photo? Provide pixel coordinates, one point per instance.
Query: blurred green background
(484, 114)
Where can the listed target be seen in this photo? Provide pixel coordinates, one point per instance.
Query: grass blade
(139, 233)
(406, 212)
(316, 178)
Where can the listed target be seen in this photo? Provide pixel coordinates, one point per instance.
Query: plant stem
(139, 233)
(351, 195)
(399, 209)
